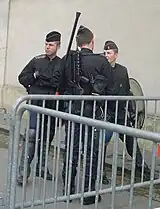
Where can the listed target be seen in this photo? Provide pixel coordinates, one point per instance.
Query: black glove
(132, 117)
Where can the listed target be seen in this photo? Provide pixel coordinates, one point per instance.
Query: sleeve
(128, 92)
(62, 81)
(61, 87)
(107, 72)
(26, 77)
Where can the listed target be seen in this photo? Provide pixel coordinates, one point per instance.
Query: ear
(92, 43)
(58, 46)
(116, 55)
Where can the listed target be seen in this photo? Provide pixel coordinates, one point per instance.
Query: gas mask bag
(99, 84)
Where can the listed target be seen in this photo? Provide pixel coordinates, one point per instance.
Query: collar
(51, 59)
(113, 66)
(86, 50)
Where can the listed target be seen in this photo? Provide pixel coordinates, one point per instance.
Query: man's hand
(132, 116)
(36, 74)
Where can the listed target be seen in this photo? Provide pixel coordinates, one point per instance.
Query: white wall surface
(132, 24)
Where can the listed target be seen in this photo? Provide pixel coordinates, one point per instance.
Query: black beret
(110, 45)
(53, 36)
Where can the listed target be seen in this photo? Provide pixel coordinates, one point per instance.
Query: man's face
(51, 48)
(111, 55)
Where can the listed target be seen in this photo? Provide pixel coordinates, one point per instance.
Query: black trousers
(129, 140)
(130, 144)
(44, 126)
(75, 151)
(75, 155)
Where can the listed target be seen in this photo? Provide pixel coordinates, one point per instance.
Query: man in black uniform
(40, 76)
(122, 88)
(92, 67)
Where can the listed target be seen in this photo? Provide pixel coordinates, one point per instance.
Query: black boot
(146, 174)
(90, 200)
(49, 176)
(138, 168)
(30, 155)
(138, 171)
(72, 185)
(105, 180)
(72, 191)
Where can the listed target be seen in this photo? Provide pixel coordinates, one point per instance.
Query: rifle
(73, 58)
(77, 67)
(73, 33)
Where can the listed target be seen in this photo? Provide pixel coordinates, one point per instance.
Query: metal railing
(73, 119)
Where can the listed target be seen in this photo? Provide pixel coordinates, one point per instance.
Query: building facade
(132, 24)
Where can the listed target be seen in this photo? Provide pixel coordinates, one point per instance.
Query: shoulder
(122, 67)
(100, 58)
(97, 57)
(58, 59)
(103, 62)
(69, 55)
(41, 56)
(103, 58)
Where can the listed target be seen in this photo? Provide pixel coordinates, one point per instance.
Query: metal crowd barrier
(46, 193)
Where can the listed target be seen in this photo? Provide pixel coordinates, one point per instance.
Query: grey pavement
(121, 199)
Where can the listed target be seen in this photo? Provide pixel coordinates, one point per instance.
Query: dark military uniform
(122, 88)
(40, 76)
(92, 66)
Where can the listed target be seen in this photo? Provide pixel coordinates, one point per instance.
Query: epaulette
(101, 54)
(40, 56)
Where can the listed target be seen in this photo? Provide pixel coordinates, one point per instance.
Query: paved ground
(140, 200)
(121, 199)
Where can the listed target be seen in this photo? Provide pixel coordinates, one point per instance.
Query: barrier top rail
(80, 97)
(151, 136)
